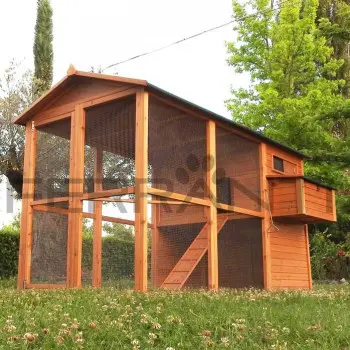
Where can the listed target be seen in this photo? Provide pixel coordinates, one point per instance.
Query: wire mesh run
(52, 160)
(238, 171)
(110, 145)
(179, 246)
(240, 254)
(177, 150)
(117, 241)
(49, 248)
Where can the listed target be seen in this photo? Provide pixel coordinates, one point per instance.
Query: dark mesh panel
(49, 248)
(177, 150)
(52, 160)
(238, 179)
(240, 254)
(110, 129)
(176, 228)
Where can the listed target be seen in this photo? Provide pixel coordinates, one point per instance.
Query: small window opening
(278, 164)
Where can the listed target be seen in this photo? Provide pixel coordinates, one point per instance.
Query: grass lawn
(112, 319)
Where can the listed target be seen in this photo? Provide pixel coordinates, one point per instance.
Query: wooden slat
(76, 189)
(46, 286)
(177, 196)
(308, 255)
(288, 256)
(288, 249)
(49, 201)
(97, 226)
(27, 211)
(108, 193)
(289, 263)
(300, 191)
(141, 165)
(212, 243)
(239, 210)
(288, 242)
(334, 204)
(265, 211)
(290, 269)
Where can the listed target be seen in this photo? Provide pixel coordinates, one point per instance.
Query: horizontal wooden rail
(64, 211)
(108, 193)
(50, 201)
(45, 286)
(178, 196)
(239, 210)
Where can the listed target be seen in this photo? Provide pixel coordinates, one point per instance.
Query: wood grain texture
(25, 245)
(141, 165)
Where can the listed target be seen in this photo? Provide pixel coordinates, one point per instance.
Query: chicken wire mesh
(176, 150)
(110, 145)
(238, 171)
(52, 160)
(117, 242)
(179, 246)
(49, 248)
(240, 253)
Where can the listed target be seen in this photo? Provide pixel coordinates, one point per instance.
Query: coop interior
(177, 229)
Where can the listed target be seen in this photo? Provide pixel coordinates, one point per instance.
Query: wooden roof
(74, 75)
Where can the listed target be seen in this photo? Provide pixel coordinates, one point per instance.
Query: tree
(16, 93)
(120, 231)
(43, 51)
(296, 95)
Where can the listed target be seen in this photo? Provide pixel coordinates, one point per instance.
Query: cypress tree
(43, 51)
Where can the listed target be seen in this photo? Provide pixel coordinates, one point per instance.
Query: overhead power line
(196, 35)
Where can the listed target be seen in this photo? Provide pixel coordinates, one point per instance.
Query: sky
(90, 33)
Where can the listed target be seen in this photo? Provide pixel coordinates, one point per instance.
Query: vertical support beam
(141, 164)
(266, 221)
(155, 243)
(300, 192)
(306, 230)
(76, 190)
(213, 267)
(334, 206)
(25, 245)
(97, 238)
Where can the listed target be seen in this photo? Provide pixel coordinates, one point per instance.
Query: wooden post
(306, 230)
(25, 245)
(265, 222)
(97, 239)
(155, 243)
(76, 190)
(334, 206)
(213, 267)
(300, 192)
(141, 164)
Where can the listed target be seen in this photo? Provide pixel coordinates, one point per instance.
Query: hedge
(117, 256)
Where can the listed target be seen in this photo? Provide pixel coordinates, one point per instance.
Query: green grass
(112, 319)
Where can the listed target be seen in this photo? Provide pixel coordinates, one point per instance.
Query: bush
(329, 260)
(117, 256)
(9, 245)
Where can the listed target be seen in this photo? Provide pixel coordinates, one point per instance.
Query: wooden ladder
(192, 256)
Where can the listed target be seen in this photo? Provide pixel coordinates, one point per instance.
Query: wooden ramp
(183, 269)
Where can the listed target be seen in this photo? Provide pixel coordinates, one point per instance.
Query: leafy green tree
(296, 93)
(43, 51)
(16, 93)
(119, 231)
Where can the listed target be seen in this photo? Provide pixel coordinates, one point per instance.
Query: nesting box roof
(74, 76)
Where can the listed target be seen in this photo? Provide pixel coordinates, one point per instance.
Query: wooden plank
(141, 165)
(49, 201)
(97, 225)
(76, 189)
(46, 286)
(178, 196)
(53, 118)
(265, 212)
(290, 276)
(108, 98)
(308, 259)
(288, 256)
(155, 241)
(288, 242)
(239, 210)
(288, 249)
(27, 211)
(334, 204)
(108, 193)
(289, 269)
(212, 220)
(289, 263)
(289, 284)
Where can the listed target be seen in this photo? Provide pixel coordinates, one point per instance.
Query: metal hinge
(33, 125)
(24, 284)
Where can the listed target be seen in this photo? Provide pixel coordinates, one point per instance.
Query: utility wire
(196, 35)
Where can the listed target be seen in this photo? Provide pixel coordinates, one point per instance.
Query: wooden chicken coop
(213, 204)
